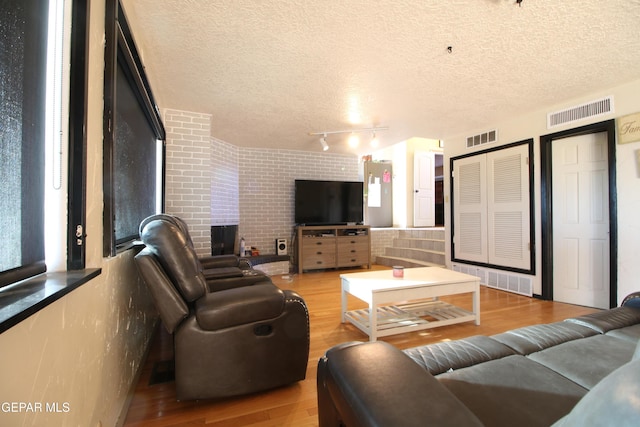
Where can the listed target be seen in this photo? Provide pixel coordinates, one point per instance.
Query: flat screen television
(328, 202)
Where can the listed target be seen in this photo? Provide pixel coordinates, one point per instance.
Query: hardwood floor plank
(296, 405)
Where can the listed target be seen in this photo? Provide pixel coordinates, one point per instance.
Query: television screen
(328, 202)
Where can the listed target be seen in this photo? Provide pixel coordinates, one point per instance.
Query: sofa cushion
(219, 310)
(443, 356)
(513, 391)
(612, 402)
(631, 333)
(586, 361)
(604, 321)
(538, 337)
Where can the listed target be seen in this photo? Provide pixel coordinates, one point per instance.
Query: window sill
(21, 301)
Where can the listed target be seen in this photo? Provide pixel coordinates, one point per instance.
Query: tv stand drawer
(313, 243)
(323, 247)
(314, 262)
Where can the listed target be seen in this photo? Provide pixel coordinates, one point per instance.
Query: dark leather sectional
(585, 369)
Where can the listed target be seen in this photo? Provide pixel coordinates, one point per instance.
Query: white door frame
(546, 146)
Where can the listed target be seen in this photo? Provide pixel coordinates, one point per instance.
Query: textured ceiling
(270, 72)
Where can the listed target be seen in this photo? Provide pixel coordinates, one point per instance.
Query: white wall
(84, 349)
(533, 125)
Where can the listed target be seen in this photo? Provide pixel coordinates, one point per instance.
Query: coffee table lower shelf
(409, 317)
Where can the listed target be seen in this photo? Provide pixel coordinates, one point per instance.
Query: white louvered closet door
(508, 207)
(470, 209)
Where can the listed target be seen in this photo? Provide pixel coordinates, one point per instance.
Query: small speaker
(281, 246)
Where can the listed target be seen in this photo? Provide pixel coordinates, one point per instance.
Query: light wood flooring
(295, 405)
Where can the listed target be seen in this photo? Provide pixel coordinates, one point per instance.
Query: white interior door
(424, 189)
(580, 198)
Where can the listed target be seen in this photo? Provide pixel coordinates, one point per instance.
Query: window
(133, 137)
(36, 123)
(134, 163)
(23, 55)
(492, 221)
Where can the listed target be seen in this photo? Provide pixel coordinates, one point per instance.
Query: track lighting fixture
(354, 140)
(323, 142)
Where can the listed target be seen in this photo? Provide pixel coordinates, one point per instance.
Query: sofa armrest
(244, 264)
(246, 278)
(219, 261)
(375, 384)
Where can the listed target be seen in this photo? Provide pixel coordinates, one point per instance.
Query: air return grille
(580, 112)
(504, 280)
(483, 138)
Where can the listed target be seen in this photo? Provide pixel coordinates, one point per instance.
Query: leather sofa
(579, 372)
(237, 339)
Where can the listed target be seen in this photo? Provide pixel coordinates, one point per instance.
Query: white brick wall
(211, 182)
(266, 189)
(188, 176)
(381, 239)
(224, 184)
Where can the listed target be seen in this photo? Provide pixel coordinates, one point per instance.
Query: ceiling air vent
(580, 112)
(483, 138)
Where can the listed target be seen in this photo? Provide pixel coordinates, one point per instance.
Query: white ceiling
(270, 72)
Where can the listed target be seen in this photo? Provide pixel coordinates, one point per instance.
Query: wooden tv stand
(333, 246)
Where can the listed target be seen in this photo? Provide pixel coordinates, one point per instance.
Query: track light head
(354, 140)
(374, 140)
(323, 142)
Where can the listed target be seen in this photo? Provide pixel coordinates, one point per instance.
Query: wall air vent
(497, 279)
(579, 112)
(483, 138)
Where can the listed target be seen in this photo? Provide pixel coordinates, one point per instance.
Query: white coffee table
(399, 305)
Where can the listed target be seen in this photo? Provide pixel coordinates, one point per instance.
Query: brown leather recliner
(229, 342)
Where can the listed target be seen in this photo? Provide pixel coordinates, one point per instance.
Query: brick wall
(381, 239)
(266, 188)
(224, 184)
(211, 182)
(188, 173)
